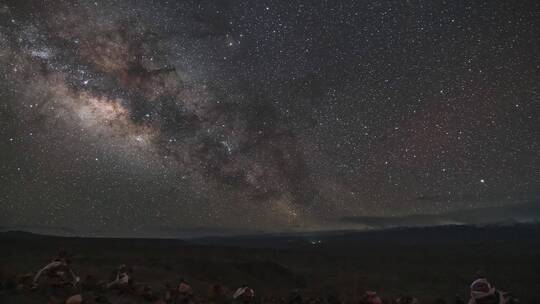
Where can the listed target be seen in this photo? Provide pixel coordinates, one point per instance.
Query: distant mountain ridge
(40, 230)
(342, 241)
(18, 234)
(521, 213)
(349, 239)
(528, 212)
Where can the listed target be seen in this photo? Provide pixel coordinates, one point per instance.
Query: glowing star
(483, 181)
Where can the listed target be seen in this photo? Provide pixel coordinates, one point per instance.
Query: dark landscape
(428, 263)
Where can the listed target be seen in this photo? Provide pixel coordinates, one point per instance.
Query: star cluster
(156, 117)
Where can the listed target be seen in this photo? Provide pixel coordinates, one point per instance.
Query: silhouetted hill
(332, 240)
(40, 230)
(328, 239)
(514, 213)
(19, 235)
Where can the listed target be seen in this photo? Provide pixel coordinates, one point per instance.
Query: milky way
(153, 119)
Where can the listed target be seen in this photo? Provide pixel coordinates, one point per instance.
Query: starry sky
(161, 118)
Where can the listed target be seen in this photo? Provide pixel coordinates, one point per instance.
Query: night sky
(163, 118)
